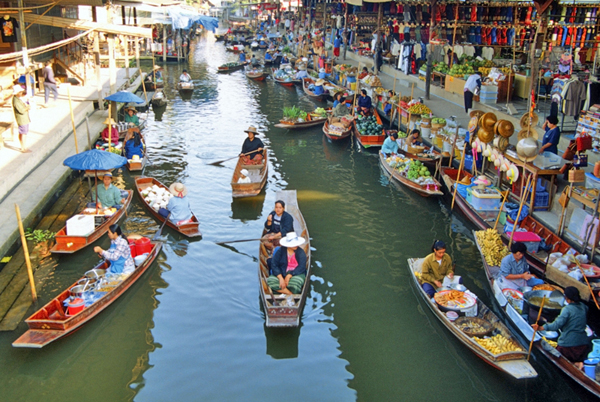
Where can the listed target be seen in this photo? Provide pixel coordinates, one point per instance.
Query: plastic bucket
(589, 366)
(143, 245)
(439, 141)
(447, 147)
(132, 247)
(425, 131)
(75, 306)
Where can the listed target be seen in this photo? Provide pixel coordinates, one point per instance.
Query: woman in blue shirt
(364, 103)
(319, 90)
(134, 146)
(390, 146)
(242, 57)
(179, 204)
(278, 224)
(552, 135)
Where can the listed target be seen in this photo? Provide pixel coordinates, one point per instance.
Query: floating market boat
(257, 75)
(69, 244)
(153, 86)
(54, 321)
(159, 99)
(279, 312)
(258, 175)
(428, 157)
(511, 314)
(235, 48)
(288, 81)
(305, 84)
(510, 359)
(137, 165)
(431, 186)
(312, 119)
(371, 140)
(220, 37)
(336, 131)
(185, 86)
(229, 67)
(188, 229)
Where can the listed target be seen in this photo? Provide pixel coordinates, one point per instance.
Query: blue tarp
(95, 160)
(184, 19)
(124, 97)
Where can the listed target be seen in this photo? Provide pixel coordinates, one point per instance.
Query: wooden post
(164, 44)
(462, 163)
(97, 67)
(454, 34)
(137, 42)
(87, 126)
(26, 253)
(412, 91)
(144, 86)
(559, 229)
(453, 146)
(112, 65)
(24, 46)
(109, 126)
(126, 46)
(500, 211)
(72, 118)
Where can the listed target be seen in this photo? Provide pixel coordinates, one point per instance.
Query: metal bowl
(77, 291)
(555, 300)
(525, 289)
(95, 273)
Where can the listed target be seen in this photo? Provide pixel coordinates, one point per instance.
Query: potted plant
(43, 241)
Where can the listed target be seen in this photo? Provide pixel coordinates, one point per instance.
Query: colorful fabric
(119, 254)
(294, 285)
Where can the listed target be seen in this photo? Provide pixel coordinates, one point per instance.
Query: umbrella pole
(109, 126)
(72, 118)
(96, 181)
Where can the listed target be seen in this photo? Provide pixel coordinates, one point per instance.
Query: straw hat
(531, 133)
(157, 68)
(251, 129)
(135, 158)
(527, 149)
(504, 128)
(17, 89)
(178, 190)
(319, 82)
(128, 108)
(527, 121)
(476, 113)
(291, 239)
(487, 121)
(108, 121)
(501, 143)
(484, 135)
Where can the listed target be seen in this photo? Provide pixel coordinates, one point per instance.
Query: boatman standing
(242, 56)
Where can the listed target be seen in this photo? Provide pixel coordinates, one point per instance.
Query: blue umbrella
(95, 160)
(124, 97)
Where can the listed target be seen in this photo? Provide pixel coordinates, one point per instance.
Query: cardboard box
(455, 85)
(80, 225)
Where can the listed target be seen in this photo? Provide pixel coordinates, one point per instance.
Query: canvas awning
(81, 25)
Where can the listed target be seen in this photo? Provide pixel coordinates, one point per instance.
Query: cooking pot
(95, 273)
(554, 303)
(78, 291)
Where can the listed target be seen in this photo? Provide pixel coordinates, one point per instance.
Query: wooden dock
(15, 293)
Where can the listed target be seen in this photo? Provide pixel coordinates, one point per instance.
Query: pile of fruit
(498, 344)
(438, 120)
(402, 134)
(417, 170)
(460, 70)
(419, 108)
(229, 65)
(368, 126)
(441, 67)
(491, 246)
(320, 112)
(486, 70)
(372, 80)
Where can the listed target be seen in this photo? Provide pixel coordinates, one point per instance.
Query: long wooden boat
(258, 175)
(320, 98)
(311, 121)
(511, 314)
(227, 69)
(257, 76)
(336, 135)
(513, 363)
(428, 159)
(159, 99)
(234, 49)
(423, 190)
(170, 58)
(52, 322)
(368, 141)
(185, 86)
(151, 86)
(188, 229)
(276, 313)
(66, 244)
(220, 37)
(139, 164)
(285, 83)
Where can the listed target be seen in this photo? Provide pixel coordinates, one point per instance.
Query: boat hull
(425, 191)
(257, 172)
(334, 135)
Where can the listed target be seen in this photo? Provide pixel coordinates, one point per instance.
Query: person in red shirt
(114, 133)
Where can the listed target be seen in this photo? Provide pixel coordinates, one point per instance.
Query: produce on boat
(413, 174)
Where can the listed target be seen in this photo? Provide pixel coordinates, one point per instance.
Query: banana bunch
(499, 344)
(551, 343)
(491, 246)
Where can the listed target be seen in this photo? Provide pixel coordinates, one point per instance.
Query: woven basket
(576, 176)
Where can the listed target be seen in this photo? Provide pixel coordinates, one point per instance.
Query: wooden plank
(81, 25)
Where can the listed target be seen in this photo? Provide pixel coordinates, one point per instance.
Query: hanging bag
(584, 142)
(580, 160)
(569, 153)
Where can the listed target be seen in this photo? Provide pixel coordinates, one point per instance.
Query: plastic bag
(576, 274)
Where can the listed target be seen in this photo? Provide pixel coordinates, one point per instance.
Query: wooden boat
(257, 75)
(305, 83)
(234, 49)
(258, 175)
(188, 229)
(220, 38)
(285, 83)
(227, 69)
(428, 159)
(139, 164)
(336, 135)
(277, 314)
(151, 86)
(52, 322)
(185, 86)
(423, 190)
(311, 121)
(368, 141)
(66, 244)
(170, 58)
(511, 314)
(159, 99)
(512, 363)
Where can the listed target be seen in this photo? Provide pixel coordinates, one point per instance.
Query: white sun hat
(292, 240)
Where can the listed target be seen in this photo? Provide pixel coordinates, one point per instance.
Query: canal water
(192, 329)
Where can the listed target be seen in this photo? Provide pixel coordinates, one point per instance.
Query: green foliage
(294, 113)
(38, 236)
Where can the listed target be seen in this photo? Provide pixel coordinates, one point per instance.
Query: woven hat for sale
(527, 149)
(527, 120)
(504, 128)
(501, 143)
(487, 121)
(476, 113)
(484, 135)
(525, 133)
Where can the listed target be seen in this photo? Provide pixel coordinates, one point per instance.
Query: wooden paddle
(228, 159)
(586, 280)
(462, 163)
(157, 235)
(501, 207)
(536, 323)
(516, 224)
(237, 241)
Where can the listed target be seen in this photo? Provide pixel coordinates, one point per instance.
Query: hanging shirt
(8, 32)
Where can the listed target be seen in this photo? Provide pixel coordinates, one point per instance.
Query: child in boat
(244, 177)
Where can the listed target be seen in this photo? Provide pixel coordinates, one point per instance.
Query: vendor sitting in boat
(363, 73)
(108, 195)
(155, 73)
(242, 56)
(114, 133)
(514, 269)
(185, 77)
(254, 61)
(387, 106)
(288, 266)
(179, 204)
(268, 57)
(279, 223)
(133, 145)
(244, 179)
(284, 60)
(435, 267)
(131, 116)
(390, 146)
(414, 139)
(318, 89)
(252, 148)
(573, 342)
(364, 103)
(301, 74)
(322, 73)
(119, 253)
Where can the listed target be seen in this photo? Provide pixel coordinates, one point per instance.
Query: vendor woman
(252, 148)
(390, 146)
(414, 139)
(279, 223)
(288, 266)
(131, 116)
(119, 253)
(551, 136)
(435, 267)
(364, 103)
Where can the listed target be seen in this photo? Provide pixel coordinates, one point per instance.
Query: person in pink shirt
(288, 265)
(114, 133)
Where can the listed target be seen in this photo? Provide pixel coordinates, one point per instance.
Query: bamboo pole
(72, 118)
(87, 125)
(453, 146)
(586, 280)
(412, 91)
(564, 208)
(454, 36)
(26, 253)
(109, 126)
(462, 163)
(144, 88)
(500, 211)
(536, 323)
(520, 209)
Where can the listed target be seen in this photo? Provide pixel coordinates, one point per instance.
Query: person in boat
(338, 98)
(155, 73)
(185, 77)
(179, 204)
(390, 146)
(119, 253)
(109, 196)
(133, 145)
(364, 103)
(436, 266)
(514, 269)
(285, 60)
(252, 148)
(551, 135)
(110, 131)
(279, 223)
(363, 73)
(414, 139)
(387, 108)
(322, 73)
(268, 57)
(254, 61)
(301, 74)
(573, 341)
(242, 56)
(288, 266)
(131, 116)
(319, 90)
(244, 178)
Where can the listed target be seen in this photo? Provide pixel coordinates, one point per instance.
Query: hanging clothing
(8, 31)
(573, 95)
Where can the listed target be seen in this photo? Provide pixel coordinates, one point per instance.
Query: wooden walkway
(15, 293)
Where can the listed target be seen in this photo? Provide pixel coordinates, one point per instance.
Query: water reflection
(335, 150)
(282, 343)
(159, 112)
(249, 208)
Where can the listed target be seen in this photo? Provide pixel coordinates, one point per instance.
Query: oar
(237, 241)
(586, 280)
(228, 159)
(157, 235)
(460, 168)
(536, 323)
(501, 208)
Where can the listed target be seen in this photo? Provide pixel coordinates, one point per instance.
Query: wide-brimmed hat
(504, 128)
(528, 133)
(292, 240)
(107, 174)
(244, 172)
(320, 82)
(128, 108)
(484, 135)
(157, 68)
(527, 120)
(251, 129)
(178, 190)
(527, 149)
(108, 121)
(17, 89)
(487, 121)
(476, 113)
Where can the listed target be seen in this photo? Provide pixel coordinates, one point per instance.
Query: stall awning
(355, 2)
(81, 25)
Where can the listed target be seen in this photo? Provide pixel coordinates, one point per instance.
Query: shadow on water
(159, 112)
(282, 343)
(247, 209)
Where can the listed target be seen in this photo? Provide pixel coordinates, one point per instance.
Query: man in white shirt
(185, 77)
(472, 88)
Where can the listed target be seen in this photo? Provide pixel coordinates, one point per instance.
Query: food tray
(466, 324)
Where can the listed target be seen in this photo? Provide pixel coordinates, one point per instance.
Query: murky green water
(192, 328)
